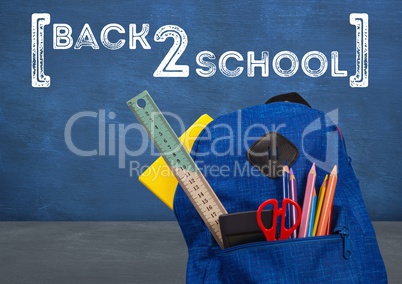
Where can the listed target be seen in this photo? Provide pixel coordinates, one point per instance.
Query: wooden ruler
(182, 165)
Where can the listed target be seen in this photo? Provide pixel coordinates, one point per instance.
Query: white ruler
(182, 165)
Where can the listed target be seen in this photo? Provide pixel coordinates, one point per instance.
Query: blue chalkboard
(62, 146)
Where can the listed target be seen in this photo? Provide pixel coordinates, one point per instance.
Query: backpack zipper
(344, 233)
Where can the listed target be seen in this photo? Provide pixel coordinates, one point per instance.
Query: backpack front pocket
(305, 260)
(300, 260)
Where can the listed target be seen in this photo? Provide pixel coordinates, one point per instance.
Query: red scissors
(270, 233)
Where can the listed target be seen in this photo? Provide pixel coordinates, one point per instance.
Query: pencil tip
(312, 170)
(334, 170)
(291, 172)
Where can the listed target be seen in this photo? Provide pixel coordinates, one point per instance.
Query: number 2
(168, 67)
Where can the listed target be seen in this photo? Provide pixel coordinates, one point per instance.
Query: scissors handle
(287, 232)
(270, 233)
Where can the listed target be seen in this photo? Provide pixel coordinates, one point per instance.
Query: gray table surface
(121, 252)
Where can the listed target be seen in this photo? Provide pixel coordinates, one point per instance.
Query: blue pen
(312, 214)
(293, 196)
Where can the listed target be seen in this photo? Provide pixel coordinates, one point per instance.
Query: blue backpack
(350, 254)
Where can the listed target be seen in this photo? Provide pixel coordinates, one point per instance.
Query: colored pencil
(285, 186)
(319, 204)
(308, 198)
(311, 221)
(327, 204)
(329, 222)
(293, 196)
